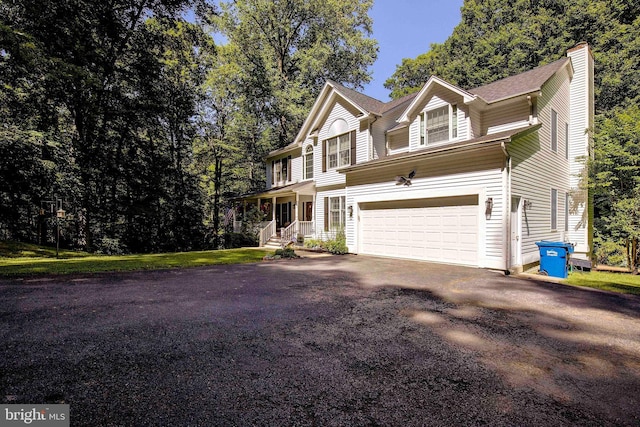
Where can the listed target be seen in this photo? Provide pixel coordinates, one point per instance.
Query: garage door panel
(434, 230)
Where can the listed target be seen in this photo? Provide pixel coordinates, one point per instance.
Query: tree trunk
(217, 182)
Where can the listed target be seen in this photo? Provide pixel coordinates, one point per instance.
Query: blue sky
(405, 29)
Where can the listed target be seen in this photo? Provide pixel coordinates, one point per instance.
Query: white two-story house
(472, 177)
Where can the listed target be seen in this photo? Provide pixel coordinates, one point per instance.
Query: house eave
(484, 142)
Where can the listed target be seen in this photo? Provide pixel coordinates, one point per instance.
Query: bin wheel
(543, 273)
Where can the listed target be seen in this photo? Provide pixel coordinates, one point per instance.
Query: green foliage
(499, 38)
(286, 253)
(287, 49)
(98, 101)
(12, 249)
(29, 266)
(336, 244)
(240, 240)
(614, 282)
(615, 182)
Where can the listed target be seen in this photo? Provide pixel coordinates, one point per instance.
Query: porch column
(297, 208)
(273, 208)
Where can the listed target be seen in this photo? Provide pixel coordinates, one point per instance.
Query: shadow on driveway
(348, 340)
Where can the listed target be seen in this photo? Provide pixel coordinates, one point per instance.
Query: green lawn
(616, 282)
(18, 259)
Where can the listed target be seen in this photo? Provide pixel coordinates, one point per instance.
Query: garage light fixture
(350, 209)
(488, 207)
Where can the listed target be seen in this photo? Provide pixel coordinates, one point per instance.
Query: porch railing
(266, 233)
(305, 228)
(289, 234)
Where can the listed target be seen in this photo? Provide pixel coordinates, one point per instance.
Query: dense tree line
(128, 112)
(498, 38)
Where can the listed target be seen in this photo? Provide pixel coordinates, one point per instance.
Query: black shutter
(353, 147)
(273, 172)
(326, 214)
(324, 155)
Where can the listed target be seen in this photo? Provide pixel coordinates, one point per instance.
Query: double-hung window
(554, 131)
(280, 171)
(554, 209)
(308, 162)
(566, 141)
(336, 212)
(566, 211)
(440, 124)
(339, 151)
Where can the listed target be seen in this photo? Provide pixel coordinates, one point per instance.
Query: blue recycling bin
(554, 258)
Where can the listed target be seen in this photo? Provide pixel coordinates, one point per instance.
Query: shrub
(336, 245)
(240, 240)
(286, 253)
(109, 246)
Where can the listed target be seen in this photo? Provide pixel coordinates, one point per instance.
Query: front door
(308, 211)
(283, 214)
(516, 228)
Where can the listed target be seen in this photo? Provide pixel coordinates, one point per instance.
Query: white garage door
(441, 230)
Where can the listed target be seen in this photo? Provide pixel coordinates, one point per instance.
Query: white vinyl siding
(480, 173)
(506, 117)
(580, 125)
(344, 112)
(536, 169)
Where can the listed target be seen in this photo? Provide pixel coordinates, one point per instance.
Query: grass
(17, 259)
(617, 282)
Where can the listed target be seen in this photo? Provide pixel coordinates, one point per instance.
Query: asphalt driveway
(333, 341)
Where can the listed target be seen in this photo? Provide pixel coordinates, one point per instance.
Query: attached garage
(438, 229)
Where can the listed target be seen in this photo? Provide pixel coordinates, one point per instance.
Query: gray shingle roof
(368, 103)
(527, 82)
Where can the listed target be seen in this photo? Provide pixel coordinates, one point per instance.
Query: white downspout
(507, 204)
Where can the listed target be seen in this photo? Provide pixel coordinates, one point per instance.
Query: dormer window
(440, 124)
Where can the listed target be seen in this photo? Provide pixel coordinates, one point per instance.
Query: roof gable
(426, 90)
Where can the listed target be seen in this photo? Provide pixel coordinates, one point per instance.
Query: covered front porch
(289, 212)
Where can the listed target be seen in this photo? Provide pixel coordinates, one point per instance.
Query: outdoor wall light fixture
(350, 209)
(488, 207)
(526, 205)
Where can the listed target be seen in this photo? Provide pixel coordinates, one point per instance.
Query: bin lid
(547, 243)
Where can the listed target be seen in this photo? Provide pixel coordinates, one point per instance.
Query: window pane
(566, 140)
(554, 209)
(566, 211)
(333, 146)
(454, 121)
(554, 131)
(438, 125)
(308, 167)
